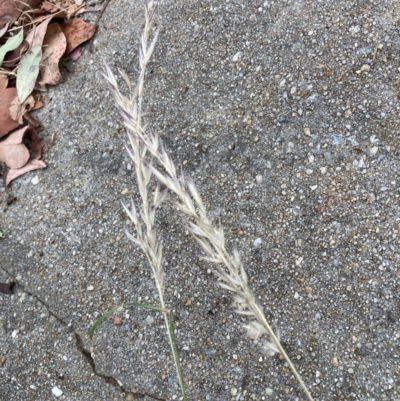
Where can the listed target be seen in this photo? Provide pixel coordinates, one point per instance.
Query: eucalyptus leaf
(28, 71)
(12, 43)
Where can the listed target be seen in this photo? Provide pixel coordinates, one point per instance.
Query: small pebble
(290, 147)
(149, 320)
(269, 391)
(282, 119)
(337, 139)
(56, 391)
(90, 288)
(335, 361)
(35, 180)
(236, 56)
(307, 131)
(124, 191)
(374, 150)
(257, 242)
(259, 179)
(233, 390)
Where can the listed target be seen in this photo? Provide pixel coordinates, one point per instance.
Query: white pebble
(309, 171)
(233, 390)
(35, 180)
(149, 320)
(259, 179)
(90, 288)
(236, 56)
(373, 150)
(257, 242)
(323, 170)
(56, 391)
(269, 391)
(313, 187)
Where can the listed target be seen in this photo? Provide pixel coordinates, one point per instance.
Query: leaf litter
(35, 37)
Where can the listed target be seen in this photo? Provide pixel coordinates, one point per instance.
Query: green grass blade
(103, 317)
(100, 320)
(176, 355)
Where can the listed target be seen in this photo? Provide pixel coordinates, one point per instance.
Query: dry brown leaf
(7, 95)
(4, 29)
(54, 45)
(17, 110)
(32, 165)
(62, 8)
(36, 143)
(12, 151)
(77, 32)
(38, 101)
(8, 12)
(12, 58)
(36, 35)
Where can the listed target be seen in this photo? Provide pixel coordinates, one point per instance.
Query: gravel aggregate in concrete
(286, 115)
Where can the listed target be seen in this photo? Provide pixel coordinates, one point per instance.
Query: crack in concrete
(86, 354)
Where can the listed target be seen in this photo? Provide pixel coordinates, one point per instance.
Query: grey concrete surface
(286, 114)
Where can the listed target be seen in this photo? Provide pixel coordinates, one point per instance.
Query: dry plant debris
(34, 36)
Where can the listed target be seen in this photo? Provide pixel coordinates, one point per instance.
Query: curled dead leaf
(77, 32)
(54, 45)
(12, 151)
(17, 110)
(7, 95)
(36, 143)
(30, 166)
(61, 8)
(8, 12)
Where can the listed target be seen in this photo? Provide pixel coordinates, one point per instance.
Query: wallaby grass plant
(145, 148)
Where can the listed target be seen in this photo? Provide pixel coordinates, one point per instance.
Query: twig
(96, 24)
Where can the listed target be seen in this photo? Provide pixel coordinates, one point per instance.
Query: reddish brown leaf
(8, 12)
(32, 165)
(36, 143)
(17, 110)
(77, 32)
(31, 120)
(12, 151)
(7, 288)
(54, 47)
(3, 81)
(7, 124)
